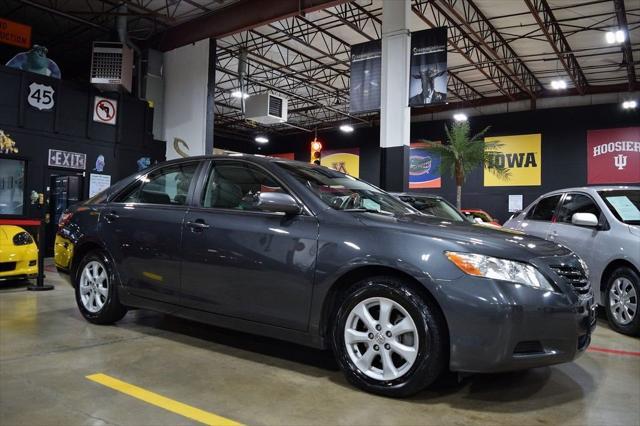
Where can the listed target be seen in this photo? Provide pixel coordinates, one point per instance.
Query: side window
(576, 203)
(235, 185)
(169, 185)
(545, 209)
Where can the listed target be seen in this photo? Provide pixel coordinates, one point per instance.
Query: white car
(602, 225)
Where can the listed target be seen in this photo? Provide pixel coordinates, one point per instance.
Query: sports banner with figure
(366, 76)
(424, 167)
(343, 160)
(428, 68)
(613, 155)
(522, 155)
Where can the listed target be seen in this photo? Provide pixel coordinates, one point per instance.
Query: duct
(123, 36)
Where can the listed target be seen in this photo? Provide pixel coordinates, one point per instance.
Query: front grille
(574, 276)
(7, 266)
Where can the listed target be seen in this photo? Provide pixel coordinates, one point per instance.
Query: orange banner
(15, 34)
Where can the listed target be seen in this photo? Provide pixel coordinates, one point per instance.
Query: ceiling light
(460, 116)
(261, 139)
(558, 84)
(610, 37)
(346, 128)
(238, 94)
(629, 104)
(620, 36)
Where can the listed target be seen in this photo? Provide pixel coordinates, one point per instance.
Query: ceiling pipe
(123, 36)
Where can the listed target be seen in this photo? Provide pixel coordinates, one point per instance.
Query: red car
(480, 214)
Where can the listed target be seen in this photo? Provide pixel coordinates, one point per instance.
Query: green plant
(462, 153)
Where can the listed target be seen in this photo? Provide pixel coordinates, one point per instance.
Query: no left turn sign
(105, 110)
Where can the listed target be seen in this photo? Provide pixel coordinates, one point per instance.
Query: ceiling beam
(543, 14)
(627, 52)
(241, 16)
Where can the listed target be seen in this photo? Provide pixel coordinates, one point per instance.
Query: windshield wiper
(363, 210)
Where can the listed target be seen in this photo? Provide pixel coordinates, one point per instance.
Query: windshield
(434, 206)
(344, 192)
(624, 204)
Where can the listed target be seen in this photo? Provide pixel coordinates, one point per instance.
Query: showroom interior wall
(69, 126)
(564, 149)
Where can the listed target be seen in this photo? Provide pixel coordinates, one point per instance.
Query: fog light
(33, 262)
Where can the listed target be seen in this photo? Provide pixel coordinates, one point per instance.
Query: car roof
(592, 189)
(415, 194)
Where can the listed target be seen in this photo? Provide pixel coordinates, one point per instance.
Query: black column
(394, 168)
(211, 98)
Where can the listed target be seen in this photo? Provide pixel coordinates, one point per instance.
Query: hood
(498, 242)
(7, 233)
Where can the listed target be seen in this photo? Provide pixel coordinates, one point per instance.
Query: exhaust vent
(266, 108)
(111, 66)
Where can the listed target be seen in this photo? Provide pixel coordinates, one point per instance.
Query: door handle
(111, 216)
(199, 224)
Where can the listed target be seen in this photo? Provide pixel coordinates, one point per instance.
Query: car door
(246, 263)
(538, 219)
(580, 239)
(142, 229)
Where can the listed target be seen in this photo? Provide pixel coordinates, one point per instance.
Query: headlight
(22, 239)
(585, 267)
(500, 269)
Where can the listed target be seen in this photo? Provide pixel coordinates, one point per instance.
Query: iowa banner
(522, 155)
(366, 76)
(613, 155)
(344, 160)
(428, 79)
(424, 167)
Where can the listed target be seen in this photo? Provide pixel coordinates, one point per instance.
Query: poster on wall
(343, 160)
(41, 97)
(428, 68)
(522, 155)
(98, 183)
(285, 155)
(366, 76)
(424, 167)
(613, 155)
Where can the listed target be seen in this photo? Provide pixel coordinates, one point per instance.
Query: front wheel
(388, 339)
(96, 291)
(621, 301)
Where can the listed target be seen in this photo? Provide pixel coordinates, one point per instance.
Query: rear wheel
(387, 339)
(96, 290)
(621, 301)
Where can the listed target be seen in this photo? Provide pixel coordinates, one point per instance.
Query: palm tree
(462, 153)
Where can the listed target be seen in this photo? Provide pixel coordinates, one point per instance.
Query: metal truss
(358, 19)
(548, 24)
(466, 46)
(627, 52)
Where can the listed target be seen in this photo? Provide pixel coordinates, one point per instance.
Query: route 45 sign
(41, 96)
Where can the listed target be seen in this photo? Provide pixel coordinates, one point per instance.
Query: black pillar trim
(394, 168)
(211, 99)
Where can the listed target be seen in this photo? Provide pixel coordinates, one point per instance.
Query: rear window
(545, 209)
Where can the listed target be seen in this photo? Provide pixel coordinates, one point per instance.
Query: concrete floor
(47, 349)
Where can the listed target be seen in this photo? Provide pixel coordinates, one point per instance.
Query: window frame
(205, 173)
(553, 217)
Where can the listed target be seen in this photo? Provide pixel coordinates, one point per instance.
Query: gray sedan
(602, 225)
(303, 253)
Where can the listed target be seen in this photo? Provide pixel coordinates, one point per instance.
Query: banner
(613, 155)
(428, 68)
(522, 155)
(424, 167)
(284, 155)
(344, 160)
(366, 76)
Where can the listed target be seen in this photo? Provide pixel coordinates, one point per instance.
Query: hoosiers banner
(522, 155)
(344, 160)
(424, 167)
(366, 76)
(428, 78)
(613, 156)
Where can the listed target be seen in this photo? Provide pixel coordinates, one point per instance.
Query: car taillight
(64, 219)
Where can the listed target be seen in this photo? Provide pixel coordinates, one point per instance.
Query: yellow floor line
(161, 401)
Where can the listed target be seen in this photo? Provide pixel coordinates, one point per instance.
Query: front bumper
(20, 263)
(499, 326)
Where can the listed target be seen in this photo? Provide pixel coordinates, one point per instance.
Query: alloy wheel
(623, 301)
(381, 338)
(94, 286)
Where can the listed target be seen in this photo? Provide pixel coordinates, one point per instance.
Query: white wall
(186, 74)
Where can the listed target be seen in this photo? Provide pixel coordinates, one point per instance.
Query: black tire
(633, 327)
(431, 346)
(112, 310)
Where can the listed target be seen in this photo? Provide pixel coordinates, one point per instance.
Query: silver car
(602, 225)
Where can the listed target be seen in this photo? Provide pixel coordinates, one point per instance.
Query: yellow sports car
(18, 254)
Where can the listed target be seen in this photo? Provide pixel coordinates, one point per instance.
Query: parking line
(612, 351)
(161, 401)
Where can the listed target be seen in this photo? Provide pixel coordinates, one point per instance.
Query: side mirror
(277, 202)
(478, 220)
(584, 219)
